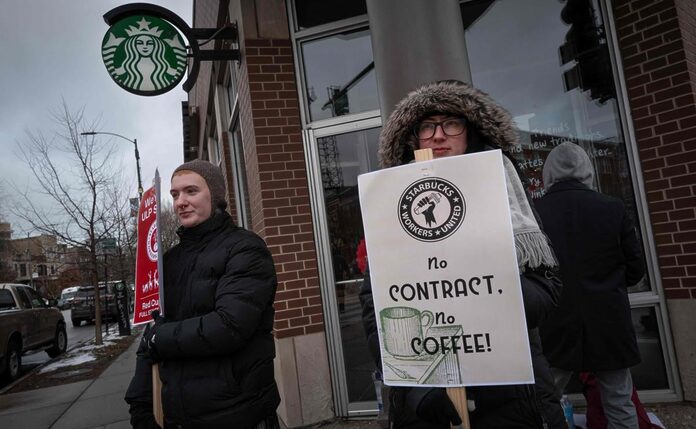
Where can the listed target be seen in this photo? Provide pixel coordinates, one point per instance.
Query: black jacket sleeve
(244, 294)
(541, 289)
(139, 393)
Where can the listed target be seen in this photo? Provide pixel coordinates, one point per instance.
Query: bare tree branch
(75, 196)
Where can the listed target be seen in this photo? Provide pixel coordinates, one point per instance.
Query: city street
(76, 335)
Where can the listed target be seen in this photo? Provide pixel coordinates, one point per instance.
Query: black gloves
(149, 336)
(433, 405)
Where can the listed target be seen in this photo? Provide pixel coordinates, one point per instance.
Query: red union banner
(148, 262)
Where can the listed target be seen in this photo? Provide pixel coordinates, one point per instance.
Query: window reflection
(536, 66)
(650, 373)
(241, 192)
(232, 87)
(342, 158)
(340, 76)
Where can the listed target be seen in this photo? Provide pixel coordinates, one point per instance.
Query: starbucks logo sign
(144, 54)
(431, 209)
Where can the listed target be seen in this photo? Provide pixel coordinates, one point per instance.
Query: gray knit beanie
(212, 176)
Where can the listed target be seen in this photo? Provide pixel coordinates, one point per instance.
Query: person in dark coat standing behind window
(214, 344)
(599, 257)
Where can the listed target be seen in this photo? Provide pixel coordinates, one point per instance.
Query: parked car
(67, 296)
(27, 323)
(82, 307)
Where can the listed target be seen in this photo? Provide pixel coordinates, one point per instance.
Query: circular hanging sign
(144, 54)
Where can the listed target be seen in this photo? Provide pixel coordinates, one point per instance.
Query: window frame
(228, 112)
(315, 33)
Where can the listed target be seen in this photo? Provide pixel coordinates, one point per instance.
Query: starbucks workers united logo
(431, 209)
(145, 55)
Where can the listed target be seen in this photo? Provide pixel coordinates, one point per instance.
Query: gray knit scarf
(531, 244)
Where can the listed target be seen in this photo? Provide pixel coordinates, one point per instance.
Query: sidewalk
(99, 404)
(89, 404)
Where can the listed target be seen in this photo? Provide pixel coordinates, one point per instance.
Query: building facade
(38, 261)
(297, 119)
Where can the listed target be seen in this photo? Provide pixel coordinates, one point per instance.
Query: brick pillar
(657, 40)
(281, 214)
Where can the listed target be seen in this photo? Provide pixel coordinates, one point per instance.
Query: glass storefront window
(311, 13)
(650, 373)
(241, 192)
(214, 151)
(231, 86)
(339, 75)
(550, 68)
(342, 158)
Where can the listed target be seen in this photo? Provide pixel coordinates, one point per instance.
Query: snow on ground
(79, 355)
(70, 361)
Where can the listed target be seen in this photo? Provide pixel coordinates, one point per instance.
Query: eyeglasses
(451, 127)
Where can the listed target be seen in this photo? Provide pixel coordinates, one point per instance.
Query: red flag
(148, 261)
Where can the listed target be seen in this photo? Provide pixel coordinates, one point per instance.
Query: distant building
(76, 271)
(38, 261)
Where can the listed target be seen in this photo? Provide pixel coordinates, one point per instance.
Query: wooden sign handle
(458, 397)
(157, 396)
(456, 394)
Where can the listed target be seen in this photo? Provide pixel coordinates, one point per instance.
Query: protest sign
(444, 273)
(148, 261)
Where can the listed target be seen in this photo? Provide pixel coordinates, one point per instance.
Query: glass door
(339, 154)
(527, 57)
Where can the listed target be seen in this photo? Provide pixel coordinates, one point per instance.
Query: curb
(41, 365)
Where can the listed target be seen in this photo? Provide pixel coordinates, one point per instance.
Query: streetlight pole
(137, 154)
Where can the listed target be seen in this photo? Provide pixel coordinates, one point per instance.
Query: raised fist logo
(426, 207)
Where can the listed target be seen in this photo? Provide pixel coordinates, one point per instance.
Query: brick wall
(277, 179)
(657, 41)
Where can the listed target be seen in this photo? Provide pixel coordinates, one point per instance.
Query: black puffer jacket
(216, 346)
(489, 126)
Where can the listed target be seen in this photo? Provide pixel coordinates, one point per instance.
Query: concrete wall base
(682, 314)
(304, 380)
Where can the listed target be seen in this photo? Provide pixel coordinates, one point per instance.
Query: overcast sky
(51, 50)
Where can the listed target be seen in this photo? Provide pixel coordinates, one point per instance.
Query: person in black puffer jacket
(214, 344)
(453, 118)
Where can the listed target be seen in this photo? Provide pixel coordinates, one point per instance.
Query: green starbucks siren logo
(145, 55)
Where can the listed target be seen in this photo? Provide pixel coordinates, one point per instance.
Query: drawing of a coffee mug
(400, 325)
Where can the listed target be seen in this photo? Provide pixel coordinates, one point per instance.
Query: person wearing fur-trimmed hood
(453, 118)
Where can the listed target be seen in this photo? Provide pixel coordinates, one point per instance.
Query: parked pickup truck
(27, 323)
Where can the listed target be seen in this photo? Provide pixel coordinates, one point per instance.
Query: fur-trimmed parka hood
(486, 120)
